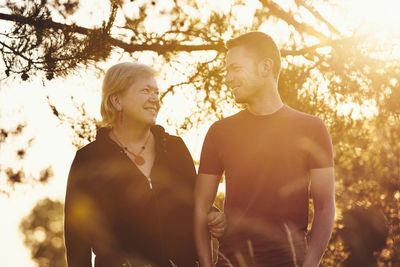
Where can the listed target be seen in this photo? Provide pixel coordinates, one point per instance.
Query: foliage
(15, 173)
(43, 233)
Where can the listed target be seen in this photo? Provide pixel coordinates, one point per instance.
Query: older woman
(130, 192)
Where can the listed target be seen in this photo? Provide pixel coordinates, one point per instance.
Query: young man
(274, 158)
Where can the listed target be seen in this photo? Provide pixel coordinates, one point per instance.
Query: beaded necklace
(137, 158)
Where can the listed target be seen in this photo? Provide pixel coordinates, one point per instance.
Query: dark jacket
(111, 209)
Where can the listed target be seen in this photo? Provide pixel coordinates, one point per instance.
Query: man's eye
(145, 90)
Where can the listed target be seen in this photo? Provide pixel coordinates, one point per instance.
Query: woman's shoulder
(96, 149)
(91, 148)
(165, 137)
(175, 152)
(170, 144)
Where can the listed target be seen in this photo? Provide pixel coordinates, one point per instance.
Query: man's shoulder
(228, 121)
(299, 114)
(303, 117)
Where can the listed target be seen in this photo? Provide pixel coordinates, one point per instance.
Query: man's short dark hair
(261, 45)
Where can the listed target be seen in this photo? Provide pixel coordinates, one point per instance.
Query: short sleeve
(320, 151)
(210, 160)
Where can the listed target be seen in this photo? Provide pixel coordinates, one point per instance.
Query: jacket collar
(158, 131)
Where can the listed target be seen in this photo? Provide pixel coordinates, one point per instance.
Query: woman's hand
(216, 221)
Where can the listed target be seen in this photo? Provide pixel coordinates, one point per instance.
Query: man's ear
(266, 66)
(115, 101)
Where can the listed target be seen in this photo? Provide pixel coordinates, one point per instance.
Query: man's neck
(266, 103)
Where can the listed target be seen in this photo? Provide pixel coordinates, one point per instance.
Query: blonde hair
(119, 78)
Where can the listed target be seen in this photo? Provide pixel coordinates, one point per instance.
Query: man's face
(243, 76)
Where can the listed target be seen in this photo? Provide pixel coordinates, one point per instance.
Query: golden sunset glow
(376, 16)
(353, 86)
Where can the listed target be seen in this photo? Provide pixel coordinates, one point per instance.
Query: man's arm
(204, 193)
(323, 195)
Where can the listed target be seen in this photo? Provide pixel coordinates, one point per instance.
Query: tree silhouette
(10, 176)
(43, 233)
(364, 233)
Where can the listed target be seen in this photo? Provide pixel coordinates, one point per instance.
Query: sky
(26, 101)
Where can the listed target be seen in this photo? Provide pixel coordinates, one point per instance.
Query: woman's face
(140, 102)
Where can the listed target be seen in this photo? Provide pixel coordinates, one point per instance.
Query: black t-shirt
(266, 161)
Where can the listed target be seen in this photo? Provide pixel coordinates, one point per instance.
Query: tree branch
(158, 48)
(318, 15)
(313, 48)
(289, 18)
(44, 23)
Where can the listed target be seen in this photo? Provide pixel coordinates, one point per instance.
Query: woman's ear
(115, 101)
